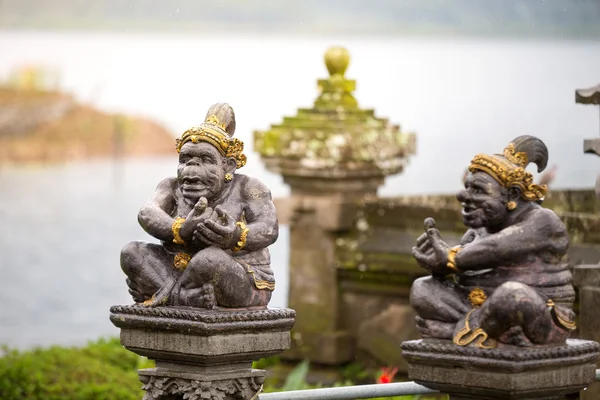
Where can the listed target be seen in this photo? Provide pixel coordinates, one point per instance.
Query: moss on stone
(335, 132)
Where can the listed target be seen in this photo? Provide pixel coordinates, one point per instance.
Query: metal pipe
(351, 392)
(357, 392)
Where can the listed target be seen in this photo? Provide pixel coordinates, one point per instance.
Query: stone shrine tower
(333, 156)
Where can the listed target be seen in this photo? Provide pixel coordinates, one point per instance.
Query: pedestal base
(202, 354)
(164, 383)
(503, 373)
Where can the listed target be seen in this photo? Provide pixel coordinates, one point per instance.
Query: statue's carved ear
(231, 164)
(514, 193)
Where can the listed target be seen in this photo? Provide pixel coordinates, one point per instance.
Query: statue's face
(483, 201)
(201, 171)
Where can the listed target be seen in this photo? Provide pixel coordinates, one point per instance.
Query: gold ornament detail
(478, 334)
(259, 283)
(451, 259)
(149, 302)
(212, 119)
(477, 297)
(508, 175)
(213, 132)
(181, 261)
(228, 177)
(176, 228)
(511, 205)
(560, 319)
(511, 155)
(242, 242)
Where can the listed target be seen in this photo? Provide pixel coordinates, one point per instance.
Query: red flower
(387, 374)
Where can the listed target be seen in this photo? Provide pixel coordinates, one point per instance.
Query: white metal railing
(357, 392)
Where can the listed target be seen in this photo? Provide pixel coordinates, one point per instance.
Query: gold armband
(242, 242)
(175, 228)
(451, 256)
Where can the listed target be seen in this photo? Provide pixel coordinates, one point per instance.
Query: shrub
(103, 370)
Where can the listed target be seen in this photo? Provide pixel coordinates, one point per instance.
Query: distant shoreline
(49, 127)
(517, 32)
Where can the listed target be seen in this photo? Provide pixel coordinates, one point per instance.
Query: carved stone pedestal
(547, 373)
(202, 354)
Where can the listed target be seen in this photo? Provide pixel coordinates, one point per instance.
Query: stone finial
(337, 60)
(335, 139)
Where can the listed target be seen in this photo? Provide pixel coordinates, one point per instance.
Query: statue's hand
(431, 252)
(423, 247)
(199, 213)
(220, 230)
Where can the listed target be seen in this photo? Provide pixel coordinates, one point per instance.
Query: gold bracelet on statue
(242, 242)
(175, 228)
(451, 256)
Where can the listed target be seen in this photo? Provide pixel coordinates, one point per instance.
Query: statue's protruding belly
(553, 281)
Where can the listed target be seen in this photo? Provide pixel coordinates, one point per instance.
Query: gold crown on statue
(214, 132)
(510, 172)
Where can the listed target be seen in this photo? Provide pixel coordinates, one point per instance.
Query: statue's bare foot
(159, 298)
(208, 296)
(515, 336)
(429, 328)
(134, 291)
(149, 302)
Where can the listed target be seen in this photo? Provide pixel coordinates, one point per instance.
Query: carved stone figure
(214, 225)
(508, 282)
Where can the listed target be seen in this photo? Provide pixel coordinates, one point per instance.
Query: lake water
(61, 227)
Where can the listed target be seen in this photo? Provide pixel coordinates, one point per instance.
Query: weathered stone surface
(506, 373)
(162, 384)
(202, 353)
(383, 334)
(335, 143)
(202, 336)
(587, 275)
(202, 322)
(204, 349)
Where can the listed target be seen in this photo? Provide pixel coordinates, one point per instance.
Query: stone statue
(214, 225)
(508, 282)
